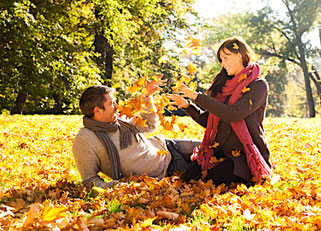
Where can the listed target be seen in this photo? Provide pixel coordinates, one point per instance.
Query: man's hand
(154, 86)
(178, 100)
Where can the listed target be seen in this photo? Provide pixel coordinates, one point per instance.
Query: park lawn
(40, 188)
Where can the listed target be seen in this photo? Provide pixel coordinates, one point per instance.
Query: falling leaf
(192, 68)
(242, 77)
(196, 51)
(236, 153)
(235, 46)
(182, 127)
(193, 86)
(250, 101)
(185, 52)
(162, 152)
(214, 145)
(196, 42)
(245, 89)
(163, 59)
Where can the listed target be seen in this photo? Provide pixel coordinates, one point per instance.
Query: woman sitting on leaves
(234, 147)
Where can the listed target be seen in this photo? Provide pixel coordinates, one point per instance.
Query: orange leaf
(192, 68)
(236, 153)
(204, 174)
(196, 42)
(215, 145)
(245, 89)
(162, 152)
(182, 127)
(139, 121)
(242, 76)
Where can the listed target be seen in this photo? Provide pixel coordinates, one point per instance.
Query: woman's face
(232, 62)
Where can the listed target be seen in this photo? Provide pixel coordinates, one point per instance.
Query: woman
(234, 148)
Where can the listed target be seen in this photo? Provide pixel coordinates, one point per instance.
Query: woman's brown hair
(234, 45)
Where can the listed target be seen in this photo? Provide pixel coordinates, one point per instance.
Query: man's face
(108, 115)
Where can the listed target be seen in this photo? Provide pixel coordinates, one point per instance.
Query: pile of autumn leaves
(41, 190)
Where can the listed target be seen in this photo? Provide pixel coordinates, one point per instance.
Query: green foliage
(43, 53)
(47, 47)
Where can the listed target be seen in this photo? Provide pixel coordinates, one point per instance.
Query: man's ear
(96, 110)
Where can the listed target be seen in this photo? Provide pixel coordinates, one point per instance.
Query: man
(116, 147)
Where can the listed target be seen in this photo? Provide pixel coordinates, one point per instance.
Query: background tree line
(50, 51)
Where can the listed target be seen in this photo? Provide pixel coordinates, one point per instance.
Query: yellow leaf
(53, 213)
(193, 86)
(192, 68)
(196, 51)
(148, 222)
(163, 59)
(185, 52)
(251, 103)
(235, 46)
(245, 89)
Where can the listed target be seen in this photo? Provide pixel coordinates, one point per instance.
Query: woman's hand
(187, 92)
(154, 86)
(178, 100)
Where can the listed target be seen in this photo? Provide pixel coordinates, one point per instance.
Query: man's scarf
(234, 87)
(102, 129)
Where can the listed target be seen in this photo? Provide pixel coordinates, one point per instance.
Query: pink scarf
(234, 87)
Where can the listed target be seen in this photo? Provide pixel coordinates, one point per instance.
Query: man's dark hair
(92, 97)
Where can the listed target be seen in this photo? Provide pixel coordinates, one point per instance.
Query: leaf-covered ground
(41, 189)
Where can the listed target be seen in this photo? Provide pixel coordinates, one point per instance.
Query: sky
(213, 8)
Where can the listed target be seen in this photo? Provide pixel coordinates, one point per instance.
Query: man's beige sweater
(138, 158)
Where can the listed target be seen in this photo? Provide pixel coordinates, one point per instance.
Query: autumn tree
(285, 38)
(44, 55)
(132, 36)
(52, 50)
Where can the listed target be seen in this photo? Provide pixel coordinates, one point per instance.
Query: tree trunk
(320, 32)
(58, 104)
(106, 60)
(317, 81)
(109, 64)
(20, 102)
(307, 81)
